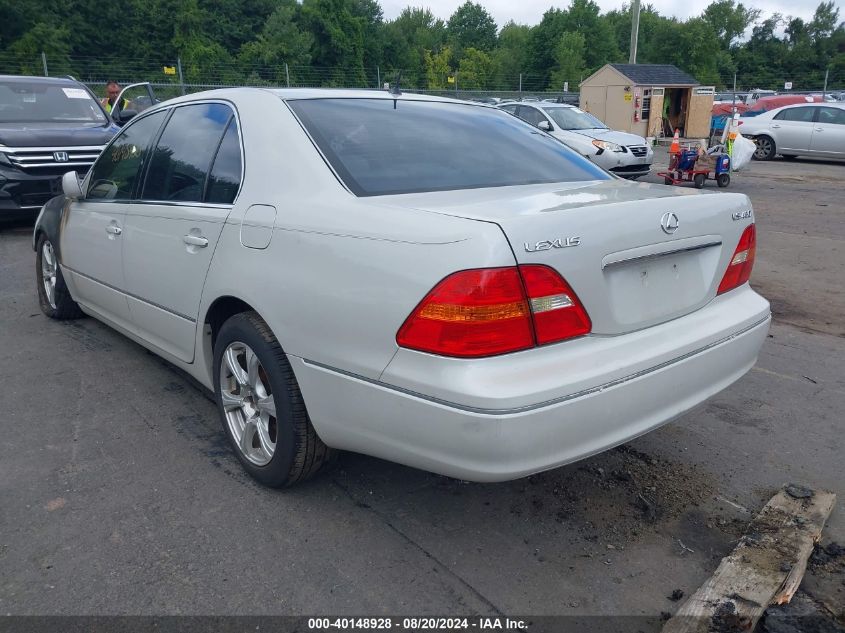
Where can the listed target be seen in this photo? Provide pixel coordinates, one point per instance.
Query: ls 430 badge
(741, 215)
(545, 245)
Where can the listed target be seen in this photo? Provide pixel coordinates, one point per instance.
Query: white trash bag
(743, 150)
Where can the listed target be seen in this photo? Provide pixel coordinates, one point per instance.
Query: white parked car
(427, 281)
(624, 154)
(798, 130)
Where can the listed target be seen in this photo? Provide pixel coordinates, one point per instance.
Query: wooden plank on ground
(765, 567)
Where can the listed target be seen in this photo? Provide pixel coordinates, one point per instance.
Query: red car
(764, 104)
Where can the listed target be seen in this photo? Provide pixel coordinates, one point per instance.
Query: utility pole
(46, 74)
(635, 30)
(378, 77)
(287, 75)
(824, 90)
(520, 85)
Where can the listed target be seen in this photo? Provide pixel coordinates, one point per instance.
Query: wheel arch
(49, 222)
(221, 309)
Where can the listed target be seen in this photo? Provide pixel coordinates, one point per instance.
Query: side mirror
(545, 126)
(71, 185)
(125, 115)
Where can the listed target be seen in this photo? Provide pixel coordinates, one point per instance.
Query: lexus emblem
(669, 223)
(60, 157)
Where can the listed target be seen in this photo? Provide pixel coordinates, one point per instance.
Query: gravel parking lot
(119, 495)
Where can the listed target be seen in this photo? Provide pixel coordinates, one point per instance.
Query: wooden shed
(648, 99)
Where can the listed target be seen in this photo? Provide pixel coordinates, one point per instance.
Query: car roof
(352, 93)
(538, 104)
(815, 104)
(58, 81)
(296, 94)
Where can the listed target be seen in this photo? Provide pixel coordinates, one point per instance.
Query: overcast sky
(531, 11)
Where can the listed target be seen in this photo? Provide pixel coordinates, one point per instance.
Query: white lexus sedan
(428, 281)
(624, 154)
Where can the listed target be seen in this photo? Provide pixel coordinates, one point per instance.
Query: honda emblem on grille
(60, 157)
(669, 223)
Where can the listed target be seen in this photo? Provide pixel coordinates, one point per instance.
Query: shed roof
(656, 74)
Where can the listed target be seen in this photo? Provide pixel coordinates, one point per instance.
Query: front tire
(765, 148)
(53, 296)
(261, 406)
(698, 181)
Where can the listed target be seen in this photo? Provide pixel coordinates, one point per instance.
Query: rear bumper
(624, 399)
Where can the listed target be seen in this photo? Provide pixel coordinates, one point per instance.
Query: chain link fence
(172, 77)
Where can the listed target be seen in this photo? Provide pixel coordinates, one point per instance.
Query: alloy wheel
(248, 403)
(48, 272)
(764, 148)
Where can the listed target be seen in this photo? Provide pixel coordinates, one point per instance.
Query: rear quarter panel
(341, 273)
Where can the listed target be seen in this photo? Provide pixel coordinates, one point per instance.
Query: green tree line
(349, 43)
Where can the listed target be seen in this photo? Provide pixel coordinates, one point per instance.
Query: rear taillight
(492, 311)
(739, 270)
(557, 312)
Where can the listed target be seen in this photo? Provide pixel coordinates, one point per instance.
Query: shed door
(699, 112)
(655, 112)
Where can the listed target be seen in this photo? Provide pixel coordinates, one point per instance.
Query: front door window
(115, 173)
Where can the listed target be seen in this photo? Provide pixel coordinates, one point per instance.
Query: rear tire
(261, 407)
(698, 181)
(667, 180)
(765, 148)
(723, 180)
(53, 296)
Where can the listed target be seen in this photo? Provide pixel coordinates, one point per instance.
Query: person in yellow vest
(112, 93)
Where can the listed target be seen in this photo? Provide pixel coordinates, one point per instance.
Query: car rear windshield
(386, 146)
(37, 102)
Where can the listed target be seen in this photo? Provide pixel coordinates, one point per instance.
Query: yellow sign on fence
(170, 70)
(451, 80)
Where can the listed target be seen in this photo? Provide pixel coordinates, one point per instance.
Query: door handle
(776, 125)
(195, 240)
(819, 129)
(112, 229)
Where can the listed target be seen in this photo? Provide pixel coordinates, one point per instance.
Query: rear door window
(225, 177)
(182, 158)
(832, 116)
(803, 114)
(115, 174)
(386, 146)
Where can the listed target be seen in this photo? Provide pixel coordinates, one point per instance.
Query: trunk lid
(606, 239)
